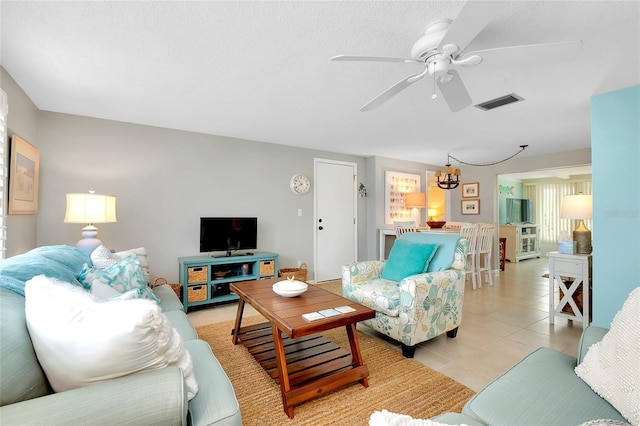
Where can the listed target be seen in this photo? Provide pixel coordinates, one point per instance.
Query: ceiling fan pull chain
(435, 95)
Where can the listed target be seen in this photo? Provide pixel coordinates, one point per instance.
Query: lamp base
(582, 237)
(89, 242)
(415, 215)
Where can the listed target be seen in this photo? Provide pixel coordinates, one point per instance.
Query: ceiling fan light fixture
(443, 47)
(428, 43)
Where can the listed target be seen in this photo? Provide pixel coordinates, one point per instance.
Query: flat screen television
(519, 210)
(228, 234)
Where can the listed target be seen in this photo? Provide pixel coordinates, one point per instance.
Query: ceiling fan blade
(392, 91)
(472, 19)
(453, 91)
(372, 59)
(540, 53)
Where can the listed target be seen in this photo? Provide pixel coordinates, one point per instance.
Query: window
(547, 203)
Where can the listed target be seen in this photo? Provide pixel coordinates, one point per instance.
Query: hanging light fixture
(449, 178)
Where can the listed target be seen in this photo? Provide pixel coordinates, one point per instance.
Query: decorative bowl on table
(289, 288)
(435, 225)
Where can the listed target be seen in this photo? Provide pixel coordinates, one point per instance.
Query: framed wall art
(396, 185)
(471, 190)
(24, 170)
(470, 206)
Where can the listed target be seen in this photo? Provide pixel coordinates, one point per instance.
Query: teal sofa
(148, 398)
(421, 305)
(542, 389)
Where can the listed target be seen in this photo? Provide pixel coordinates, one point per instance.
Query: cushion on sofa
(123, 276)
(612, 366)
(553, 394)
(20, 374)
(407, 258)
(216, 402)
(378, 294)
(103, 258)
(168, 299)
(80, 341)
(444, 257)
(61, 262)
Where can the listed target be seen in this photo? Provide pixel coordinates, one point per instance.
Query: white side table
(576, 267)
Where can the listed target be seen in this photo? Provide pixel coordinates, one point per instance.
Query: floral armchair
(419, 306)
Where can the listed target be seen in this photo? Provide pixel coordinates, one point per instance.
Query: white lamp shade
(432, 212)
(415, 199)
(577, 207)
(90, 208)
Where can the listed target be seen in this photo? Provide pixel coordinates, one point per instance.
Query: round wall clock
(300, 184)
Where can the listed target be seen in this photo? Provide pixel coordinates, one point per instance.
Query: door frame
(315, 209)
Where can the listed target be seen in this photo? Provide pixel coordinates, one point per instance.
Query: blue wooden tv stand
(205, 279)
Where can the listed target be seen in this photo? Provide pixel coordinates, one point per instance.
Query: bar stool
(470, 232)
(404, 226)
(484, 251)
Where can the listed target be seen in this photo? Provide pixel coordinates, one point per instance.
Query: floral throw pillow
(123, 276)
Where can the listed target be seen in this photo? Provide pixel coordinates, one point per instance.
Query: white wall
(22, 120)
(376, 168)
(165, 180)
(487, 177)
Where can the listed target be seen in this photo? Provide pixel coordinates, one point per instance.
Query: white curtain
(547, 203)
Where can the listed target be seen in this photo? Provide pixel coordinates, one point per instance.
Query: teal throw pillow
(408, 258)
(125, 276)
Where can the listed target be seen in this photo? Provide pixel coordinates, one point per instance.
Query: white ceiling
(262, 71)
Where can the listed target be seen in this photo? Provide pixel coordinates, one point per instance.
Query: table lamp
(579, 207)
(415, 201)
(90, 208)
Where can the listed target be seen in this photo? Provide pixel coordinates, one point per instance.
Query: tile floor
(501, 325)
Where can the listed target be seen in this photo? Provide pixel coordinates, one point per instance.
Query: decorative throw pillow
(141, 252)
(387, 418)
(122, 276)
(80, 341)
(105, 293)
(612, 366)
(407, 258)
(103, 258)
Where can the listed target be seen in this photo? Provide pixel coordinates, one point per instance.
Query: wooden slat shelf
(290, 349)
(308, 358)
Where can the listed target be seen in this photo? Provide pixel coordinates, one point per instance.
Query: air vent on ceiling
(501, 101)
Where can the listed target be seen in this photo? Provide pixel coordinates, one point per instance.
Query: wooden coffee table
(304, 363)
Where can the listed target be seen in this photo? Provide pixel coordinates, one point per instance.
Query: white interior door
(335, 215)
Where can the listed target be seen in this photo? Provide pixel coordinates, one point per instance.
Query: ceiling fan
(442, 49)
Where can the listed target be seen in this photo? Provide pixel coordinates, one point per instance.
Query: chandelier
(449, 178)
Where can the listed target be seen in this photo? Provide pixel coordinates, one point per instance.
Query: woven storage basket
(177, 288)
(299, 274)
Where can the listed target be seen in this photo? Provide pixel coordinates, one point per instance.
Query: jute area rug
(396, 383)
